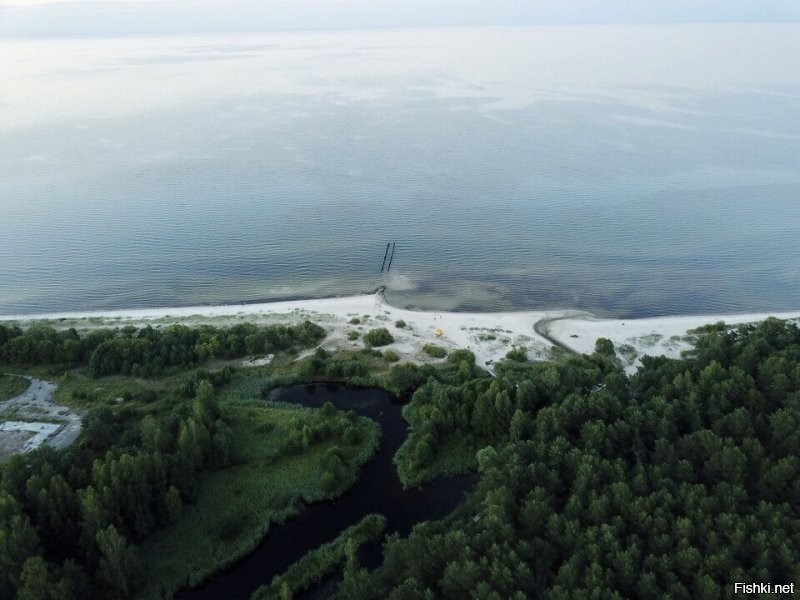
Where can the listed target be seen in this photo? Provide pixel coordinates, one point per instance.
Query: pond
(378, 490)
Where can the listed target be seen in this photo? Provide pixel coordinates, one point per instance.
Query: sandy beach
(490, 335)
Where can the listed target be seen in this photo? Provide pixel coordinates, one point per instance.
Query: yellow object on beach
(438, 332)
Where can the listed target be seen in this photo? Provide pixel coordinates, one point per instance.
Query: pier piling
(391, 258)
(385, 254)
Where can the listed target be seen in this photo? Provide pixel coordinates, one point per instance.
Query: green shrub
(378, 337)
(628, 352)
(370, 352)
(456, 357)
(434, 351)
(517, 355)
(355, 321)
(352, 335)
(604, 347)
(391, 356)
(404, 378)
(400, 324)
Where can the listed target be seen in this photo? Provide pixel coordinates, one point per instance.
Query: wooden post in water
(384, 256)
(391, 258)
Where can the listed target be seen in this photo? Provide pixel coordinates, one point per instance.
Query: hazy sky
(91, 17)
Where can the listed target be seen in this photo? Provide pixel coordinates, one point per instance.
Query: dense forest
(148, 352)
(71, 521)
(675, 482)
(69, 517)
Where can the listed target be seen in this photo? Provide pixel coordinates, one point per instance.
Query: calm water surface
(634, 170)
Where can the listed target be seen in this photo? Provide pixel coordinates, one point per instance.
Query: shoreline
(488, 334)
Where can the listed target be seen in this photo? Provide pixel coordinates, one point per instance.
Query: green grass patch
(12, 386)
(362, 367)
(323, 560)
(718, 327)
(517, 355)
(275, 473)
(434, 351)
(78, 390)
(391, 356)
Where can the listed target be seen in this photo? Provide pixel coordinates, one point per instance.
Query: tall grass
(11, 386)
(318, 563)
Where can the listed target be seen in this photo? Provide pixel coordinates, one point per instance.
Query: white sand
(489, 335)
(51, 423)
(667, 336)
(41, 432)
(326, 305)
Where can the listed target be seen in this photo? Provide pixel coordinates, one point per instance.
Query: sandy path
(542, 327)
(36, 405)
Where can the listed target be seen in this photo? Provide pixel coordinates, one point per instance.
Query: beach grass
(11, 386)
(434, 351)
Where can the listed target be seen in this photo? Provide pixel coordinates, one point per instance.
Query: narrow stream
(378, 490)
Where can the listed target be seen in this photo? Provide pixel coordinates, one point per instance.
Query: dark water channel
(377, 490)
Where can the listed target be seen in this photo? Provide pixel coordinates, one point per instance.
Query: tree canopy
(149, 351)
(674, 482)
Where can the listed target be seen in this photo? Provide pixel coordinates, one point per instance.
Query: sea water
(626, 170)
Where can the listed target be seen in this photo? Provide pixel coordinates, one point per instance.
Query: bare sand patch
(635, 338)
(36, 413)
